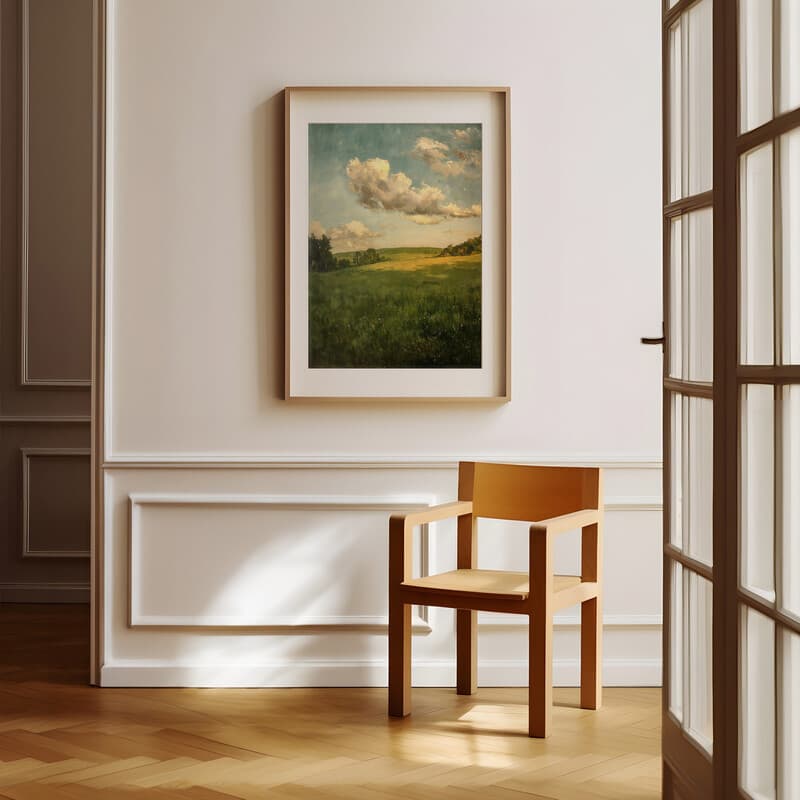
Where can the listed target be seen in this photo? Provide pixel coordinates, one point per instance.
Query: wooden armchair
(555, 500)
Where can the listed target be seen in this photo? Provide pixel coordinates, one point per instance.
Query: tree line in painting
(322, 259)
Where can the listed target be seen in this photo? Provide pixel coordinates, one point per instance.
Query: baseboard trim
(44, 593)
(287, 674)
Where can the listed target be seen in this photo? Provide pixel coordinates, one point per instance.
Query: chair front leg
(592, 618)
(540, 634)
(399, 618)
(540, 673)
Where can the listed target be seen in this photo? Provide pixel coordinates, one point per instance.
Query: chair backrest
(528, 493)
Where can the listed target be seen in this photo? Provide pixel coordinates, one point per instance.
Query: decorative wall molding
(644, 503)
(211, 461)
(573, 620)
(16, 419)
(44, 592)
(25, 379)
(367, 672)
(27, 454)
(275, 502)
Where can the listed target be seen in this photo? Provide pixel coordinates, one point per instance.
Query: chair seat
(486, 583)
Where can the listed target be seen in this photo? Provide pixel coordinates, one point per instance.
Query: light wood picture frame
(397, 243)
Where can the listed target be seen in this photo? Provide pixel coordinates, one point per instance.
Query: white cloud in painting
(436, 155)
(377, 187)
(353, 235)
(452, 210)
(441, 158)
(465, 134)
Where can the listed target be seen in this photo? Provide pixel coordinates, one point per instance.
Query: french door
(731, 80)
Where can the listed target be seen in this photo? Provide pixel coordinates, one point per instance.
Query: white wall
(195, 325)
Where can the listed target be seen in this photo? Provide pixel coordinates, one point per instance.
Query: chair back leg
(399, 658)
(466, 652)
(591, 653)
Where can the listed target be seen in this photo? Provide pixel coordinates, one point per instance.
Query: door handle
(654, 339)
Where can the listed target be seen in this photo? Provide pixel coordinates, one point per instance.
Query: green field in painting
(413, 310)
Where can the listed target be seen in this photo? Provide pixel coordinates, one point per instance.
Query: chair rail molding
(44, 592)
(27, 419)
(411, 462)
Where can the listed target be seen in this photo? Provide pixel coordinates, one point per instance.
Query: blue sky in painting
(394, 185)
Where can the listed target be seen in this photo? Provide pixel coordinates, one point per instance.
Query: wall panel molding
(646, 503)
(507, 621)
(44, 592)
(29, 453)
(26, 419)
(26, 380)
(300, 503)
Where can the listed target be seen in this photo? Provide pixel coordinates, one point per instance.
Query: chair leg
(399, 659)
(591, 653)
(540, 673)
(466, 652)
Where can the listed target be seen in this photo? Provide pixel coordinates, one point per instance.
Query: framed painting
(397, 243)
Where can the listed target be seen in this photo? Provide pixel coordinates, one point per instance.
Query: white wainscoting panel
(275, 575)
(274, 568)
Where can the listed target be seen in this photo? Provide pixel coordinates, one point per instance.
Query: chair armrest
(401, 528)
(459, 508)
(567, 522)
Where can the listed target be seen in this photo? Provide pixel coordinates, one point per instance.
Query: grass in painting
(412, 309)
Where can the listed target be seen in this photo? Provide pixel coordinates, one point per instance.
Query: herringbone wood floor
(62, 740)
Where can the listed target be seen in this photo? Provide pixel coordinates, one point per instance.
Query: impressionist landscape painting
(394, 245)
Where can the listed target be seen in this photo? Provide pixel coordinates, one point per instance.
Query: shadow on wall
(268, 231)
(288, 576)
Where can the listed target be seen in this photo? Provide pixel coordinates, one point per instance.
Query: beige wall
(45, 297)
(247, 507)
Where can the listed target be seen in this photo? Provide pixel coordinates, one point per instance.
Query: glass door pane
(789, 717)
(758, 490)
(757, 766)
(756, 255)
(692, 432)
(690, 85)
(789, 43)
(701, 693)
(678, 433)
(692, 296)
(691, 693)
(755, 63)
(700, 479)
(790, 563)
(789, 193)
(676, 636)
